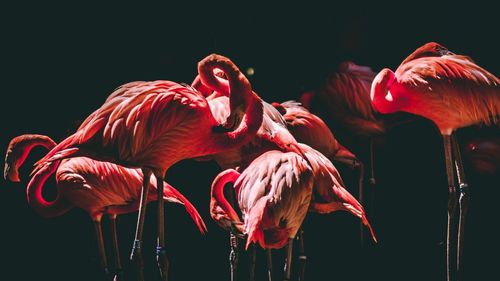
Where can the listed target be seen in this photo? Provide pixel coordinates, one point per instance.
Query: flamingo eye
(388, 97)
(472, 147)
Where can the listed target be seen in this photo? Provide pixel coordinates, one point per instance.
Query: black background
(60, 61)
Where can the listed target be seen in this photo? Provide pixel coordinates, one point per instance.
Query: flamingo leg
(452, 203)
(118, 265)
(100, 245)
(361, 201)
(253, 258)
(463, 202)
(302, 256)
(269, 255)
(161, 253)
(233, 256)
(233, 242)
(288, 261)
(136, 255)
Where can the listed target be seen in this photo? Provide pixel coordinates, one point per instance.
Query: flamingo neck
(19, 149)
(35, 196)
(382, 98)
(217, 192)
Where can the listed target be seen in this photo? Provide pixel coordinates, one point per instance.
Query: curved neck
(217, 193)
(35, 197)
(19, 149)
(242, 100)
(382, 101)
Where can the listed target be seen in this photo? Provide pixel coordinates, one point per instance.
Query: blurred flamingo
(153, 125)
(453, 92)
(483, 153)
(99, 188)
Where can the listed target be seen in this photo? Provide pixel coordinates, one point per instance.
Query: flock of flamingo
(278, 157)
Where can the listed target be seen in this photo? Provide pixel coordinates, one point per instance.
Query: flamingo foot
(163, 262)
(137, 260)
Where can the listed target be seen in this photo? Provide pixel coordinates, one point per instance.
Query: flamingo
(273, 194)
(453, 92)
(308, 128)
(273, 135)
(99, 188)
(153, 125)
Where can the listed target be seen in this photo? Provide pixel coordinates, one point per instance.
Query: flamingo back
(274, 193)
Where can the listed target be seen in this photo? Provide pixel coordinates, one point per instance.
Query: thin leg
(269, 255)
(288, 262)
(302, 256)
(118, 264)
(463, 203)
(233, 256)
(233, 242)
(452, 202)
(161, 253)
(253, 257)
(100, 245)
(136, 255)
(372, 165)
(361, 168)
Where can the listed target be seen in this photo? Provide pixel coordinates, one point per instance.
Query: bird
(310, 129)
(453, 92)
(99, 188)
(273, 135)
(273, 194)
(154, 124)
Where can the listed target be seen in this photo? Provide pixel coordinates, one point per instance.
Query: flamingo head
(382, 98)
(12, 164)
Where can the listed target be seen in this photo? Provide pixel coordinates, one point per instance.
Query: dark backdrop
(60, 61)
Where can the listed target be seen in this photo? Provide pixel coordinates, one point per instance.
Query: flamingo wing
(329, 189)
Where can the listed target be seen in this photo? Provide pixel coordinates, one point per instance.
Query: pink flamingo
(273, 135)
(308, 128)
(153, 125)
(268, 174)
(451, 91)
(273, 194)
(99, 188)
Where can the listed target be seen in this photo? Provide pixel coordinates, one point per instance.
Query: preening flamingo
(273, 194)
(153, 125)
(99, 188)
(453, 92)
(308, 128)
(272, 135)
